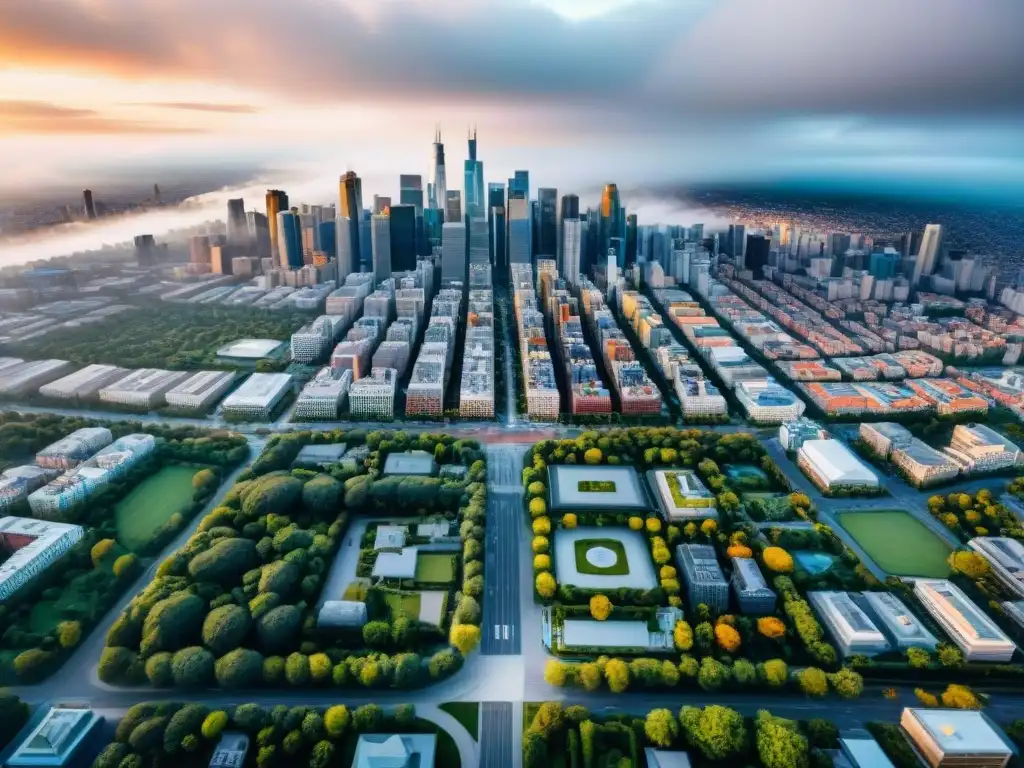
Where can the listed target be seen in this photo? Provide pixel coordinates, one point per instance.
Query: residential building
(793, 434)
(382, 750)
(230, 751)
(476, 390)
(373, 397)
(700, 398)
(323, 397)
(852, 630)
(29, 547)
(752, 592)
(341, 614)
(832, 466)
(1006, 556)
(17, 483)
(312, 342)
(57, 740)
(949, 738)
(885, 436)
(84, 384)
(144, 388)
(923, 465)
(258, 396)
(970, 628)
(903, 628)
(72, 450)
(702, 576)
(200, 391)
(977, 448)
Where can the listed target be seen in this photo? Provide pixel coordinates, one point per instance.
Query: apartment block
(542, 396)
(17, 483)
(323, 397)
(313, 341)
(884, 437)
(30, 546)
(72, 450)
(373, 397)
(924, 465)
(476, 390)
(793, 434)
(948, 396)
(902, 627)
(977, 448)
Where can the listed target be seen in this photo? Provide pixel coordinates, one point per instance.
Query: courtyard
(603, 558)
(898, 542)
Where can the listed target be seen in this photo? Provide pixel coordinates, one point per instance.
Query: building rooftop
(259, 389)
(250, 349)
(396, 565)
(201, 383)
(410, 463)
(230, 751)
(837, 463)
(864, 753)
(702, 563)
(55, 738)
(145, 380)
(960, 732)
(748, 577)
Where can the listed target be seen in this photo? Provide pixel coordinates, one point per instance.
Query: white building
(832, 466)
(323, 398)
(17, 483)
(373, 397)
(765, 402)
(699, 397)
(902, 626)
(955, 737)
(258, 396)
(476, 390)
(312, 342)
(923, 464)
(200, 390)
(793, 434)
(144, 388)
(885, 436)
(681, 494)
(967, 625)
(84, 384)
(28, 377)
(1006, 556)
(977, 448)
(853, 631)
(32, 546)
(72, 450)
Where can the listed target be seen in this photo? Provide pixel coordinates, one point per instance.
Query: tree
(774, 673)
(709, 527)
(661, 728)
(322, 755)
(653, 525)
(960, 697)
(468, 611)
(367, 718)
(771, 627)
(541, 526)
(126, 566)
(336, 721)
(542, 562)
(278, 629)
(600, 607)
(279, 577)
(69, 633)
(322, 495)
(636, 523)
(727, 638)
(569, 520)
(739, 550)
(969, 563)
(214, 724)
(538, 507)
(927, 699)
(918, 658)
(239, 668)
(588, 674)
(616, 674)
(536, 489)
(204, 480)
(224, 562)
(777, 559)
(682, 636)
(100, 551)
(225, 628)
(149, 736)
(13, 715)
(377, 634)
(813, 681)
(465, 637)
(540, 545)
(713, 674)
(704, 635)
(847, 683)
(112, 755)
(716, 731)
(950, 656)
(555, 673)
(779, 745)
(545, 584)
(823, 734)
(296, 669)
(593, 456)
(192, 667)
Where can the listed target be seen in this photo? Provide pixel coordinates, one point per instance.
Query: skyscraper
(758, 249)
(931, 242)
(329, 238)
(145, 250)
(568, 208)
(631, 234)
(518, 237)
(453, 206)
(612, 222)
(495, 199)
(547, 234)
(259, 233)
(199, 250)
(735, 242)
(572, 232)
(238, 225)
(519, 185)
(277, 201)
(380, 236)
(474, 180)
(403, 238)
(350, 218)
(478, 236)
(411, 191)
(453, 251)
(90, 206)
(437, 185)
(381, 203)
(497, 240)
(289, 239)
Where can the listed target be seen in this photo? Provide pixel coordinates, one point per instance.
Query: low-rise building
(312, 342)
(699, 398)
(923, 465)
(765, 402)
(383, 750)
(84, 384)
(1006, 556)
(258, 396)
(945, 738)
(793, 434)
(230, 751)
(17, 483)
(862, 753)
(975, 633)
(70, 451)
(883, 437)
(341, 614)
(57, 740)
(681, 495)
(31, 546)
(200, 391)
(977, 448)
(852, 630)
(373, 397)
(144, 388)
(904, 629)
(833, 467)
(702, 576)
(27, 377)
(410, 463)
(752, 592)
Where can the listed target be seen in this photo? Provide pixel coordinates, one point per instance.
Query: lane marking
(497, 634)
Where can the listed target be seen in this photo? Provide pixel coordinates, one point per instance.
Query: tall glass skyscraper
(277, 201)
(289, 239)
(350, 217)
(474, 181)
(613, 223)
(547, 231)
(403, 238)
(495, 200)
(568, 208)
(437, 185)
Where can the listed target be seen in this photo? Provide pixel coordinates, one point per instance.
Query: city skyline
(729, 91)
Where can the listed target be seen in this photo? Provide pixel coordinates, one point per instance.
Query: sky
(580, 92)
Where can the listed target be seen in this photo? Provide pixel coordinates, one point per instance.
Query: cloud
(43, 117)
(202, 106)
(659, 59)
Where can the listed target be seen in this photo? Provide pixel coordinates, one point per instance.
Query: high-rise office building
(478, 236)
(758, 249)
(453, 251)
(350, 225)
(572, 234)
(631, 235)
(199, 250)
(328, 237)
(381, 204)
(259, 234)
(474, 180)
(437, 185)
(365, 244)
(89, 205)
(547, 230)
(380, 236)
(220, 260)
(277, 201)
(497, 240)
(403, 238)
(238, 224)
(495, 199)
(568, 208)
(453, 206)
(612, 221)
(519, 185)
(145, 250)
(927, 256)
(518, 237)
(411, 191)
(735, 242)
(289, 239)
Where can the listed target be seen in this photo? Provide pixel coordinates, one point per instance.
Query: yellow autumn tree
(635, 523)
(600, 607)
(540, 544)
(960, 697)
(542, 526)
(771, 627)
(709, 527)
(778, 560)
(728, 639)
(739, 550)
(682, 636)
(542, 562)
(569, 520)
(593, 456)
(465, 637)
(546, 584)
(653, 525)
(538, 508)
(926, 699)
(667, 572)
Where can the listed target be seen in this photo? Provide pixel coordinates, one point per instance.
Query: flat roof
(409, 463)
(837, 463)
(611, 634)
(564, 483)
(259, 389)
(396, 565)
(959, 731)
(250, 348)
(865, 753)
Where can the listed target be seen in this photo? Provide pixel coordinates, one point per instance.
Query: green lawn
(619, 568)
(467, 713)
(151, 503)
(898, 542)
(45, 617)
(403, 602)
(435, 568)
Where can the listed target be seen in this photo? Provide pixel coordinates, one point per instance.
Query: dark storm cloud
(664, 60)
(43, 117)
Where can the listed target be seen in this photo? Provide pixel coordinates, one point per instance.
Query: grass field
(435, 568)
(405, 602)
(467, 713)
(898, 542)
(151, 503)
(620, 567)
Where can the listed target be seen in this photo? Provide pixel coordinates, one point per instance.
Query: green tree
(296, 669)
(813, 681)
(240, 668)
(336, 721)
(713, 675)
(322, 755)
(717, 732)
(367, 718)
(918, 658)
(779, 744)
(225, 628)
(214, 724)
(774, 673)
(847, 683)
(661, 727)
(192, 667)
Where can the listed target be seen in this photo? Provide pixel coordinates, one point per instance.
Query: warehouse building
(976, 634)
(373, 397)
(904, 629)
(200, 391)
(144, 388)
(30, 546)
(832, 466)
(752, 592)
(703, 577)
(793, 434)
(84, 384)
(26, 378)
(1006, 556)
(323, 398)
(257, 398)
(765, 402)
(70, 451)
(852, 630)
(17, 483)
(955, 737)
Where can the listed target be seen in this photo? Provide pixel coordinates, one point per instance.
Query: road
(496, 734)
(501, 620)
